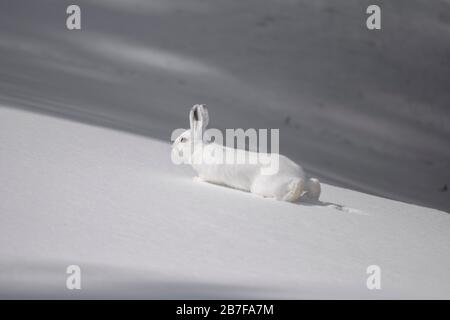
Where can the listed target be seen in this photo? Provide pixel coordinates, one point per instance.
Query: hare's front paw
(198, 179)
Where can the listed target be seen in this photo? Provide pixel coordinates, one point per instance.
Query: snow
(85, 171)
(367, 110)
(139, 227)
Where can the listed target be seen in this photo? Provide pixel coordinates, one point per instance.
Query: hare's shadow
(318, 203)
(302, 201)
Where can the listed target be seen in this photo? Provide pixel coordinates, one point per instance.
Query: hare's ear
(199, 119)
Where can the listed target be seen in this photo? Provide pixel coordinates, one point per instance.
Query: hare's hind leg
(261, 187)
(293, 190)
(278, 187)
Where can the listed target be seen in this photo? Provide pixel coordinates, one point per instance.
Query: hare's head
(184, 143)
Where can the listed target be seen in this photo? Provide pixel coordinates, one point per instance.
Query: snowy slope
(360, 109)
(138, 226)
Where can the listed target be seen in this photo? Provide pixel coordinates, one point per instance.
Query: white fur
(287, 184)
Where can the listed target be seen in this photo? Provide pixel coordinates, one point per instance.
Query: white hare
(287, 183)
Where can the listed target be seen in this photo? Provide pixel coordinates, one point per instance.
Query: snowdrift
(140, 227)
(360, 109)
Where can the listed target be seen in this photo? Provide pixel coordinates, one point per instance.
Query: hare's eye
(183, 140)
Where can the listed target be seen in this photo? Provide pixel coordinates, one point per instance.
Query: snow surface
(367, 110)
(140, 227)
